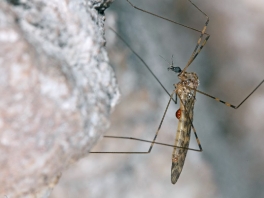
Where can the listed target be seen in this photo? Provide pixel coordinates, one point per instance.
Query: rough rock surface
(57, 90)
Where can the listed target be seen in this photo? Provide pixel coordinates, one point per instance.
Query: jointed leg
(154, 139)
(152, 142)
(195, 52)
(144, 63)
(194, 131)
(142, 10)
(226, 103)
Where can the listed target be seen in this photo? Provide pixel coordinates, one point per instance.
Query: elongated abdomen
(182, 140)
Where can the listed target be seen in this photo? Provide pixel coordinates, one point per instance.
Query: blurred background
(229, 67)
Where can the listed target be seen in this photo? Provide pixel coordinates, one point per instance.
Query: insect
(185, 90)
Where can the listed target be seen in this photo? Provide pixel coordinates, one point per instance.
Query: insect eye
(175, 69)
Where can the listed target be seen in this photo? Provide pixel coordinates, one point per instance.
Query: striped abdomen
(182, 137)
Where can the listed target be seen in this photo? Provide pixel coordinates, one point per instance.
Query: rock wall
(57, 90)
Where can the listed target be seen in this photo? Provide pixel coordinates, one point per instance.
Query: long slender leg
(197, 139)
(144, 63)
(226, 103)
(153, 141)
(195, 52)
(194, 131)
(142, 10)
(131, 138)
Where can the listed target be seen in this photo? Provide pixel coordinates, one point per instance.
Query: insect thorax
(188, 80)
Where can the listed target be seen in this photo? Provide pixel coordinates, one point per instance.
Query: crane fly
(185, 90)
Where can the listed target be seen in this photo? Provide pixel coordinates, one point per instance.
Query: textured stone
(57, 90)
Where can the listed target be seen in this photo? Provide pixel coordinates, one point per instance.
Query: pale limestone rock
(57, 90)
